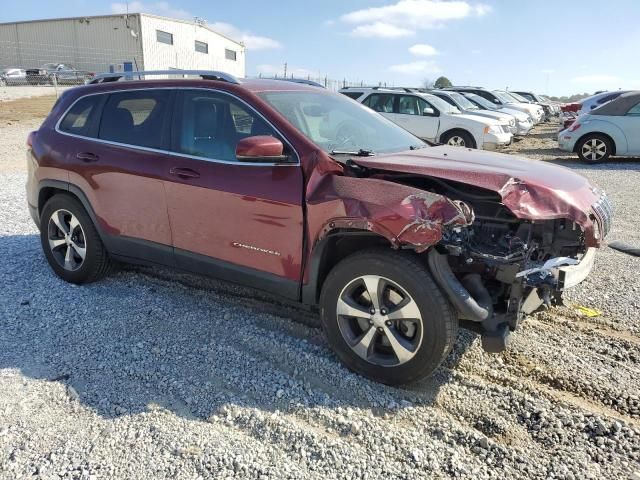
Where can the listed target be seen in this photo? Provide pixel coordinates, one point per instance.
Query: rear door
(235, 220)
(121, 168)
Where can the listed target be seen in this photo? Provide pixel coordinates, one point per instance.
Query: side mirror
(429, 112)
(260, 148)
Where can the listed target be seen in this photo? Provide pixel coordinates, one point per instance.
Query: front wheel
(385, 317)
(594, 148)
(458, 139)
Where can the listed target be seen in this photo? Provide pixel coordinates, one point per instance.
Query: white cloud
(252, 42)
(380, 29)
(425, 67)
(408, 16)
(596, 79)
(272, 70)
(423, 50)
(157, 8)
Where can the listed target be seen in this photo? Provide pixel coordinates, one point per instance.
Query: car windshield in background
(504, 97)
(337, 124)
(519, 97)
(483, 102)
(463, 101)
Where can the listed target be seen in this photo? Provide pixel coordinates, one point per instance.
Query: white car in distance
(431, 118)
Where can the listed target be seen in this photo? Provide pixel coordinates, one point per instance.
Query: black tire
(439, 323)
(590, 146)
(465, 137)
(96, 263)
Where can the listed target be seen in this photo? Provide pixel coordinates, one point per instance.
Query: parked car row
(460, 116)
(47, 74)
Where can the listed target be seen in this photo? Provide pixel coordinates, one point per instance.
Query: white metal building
(136, 41)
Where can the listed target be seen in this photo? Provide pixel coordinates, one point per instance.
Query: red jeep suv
(298, 191)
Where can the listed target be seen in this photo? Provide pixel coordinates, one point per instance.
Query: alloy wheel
(379, 321)
(456, 141)
(67, 240)
(594, 149)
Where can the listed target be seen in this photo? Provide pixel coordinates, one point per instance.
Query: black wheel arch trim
(310, 291)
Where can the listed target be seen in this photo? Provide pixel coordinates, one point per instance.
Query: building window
(202, 47)
(164, 37)
(230, 54)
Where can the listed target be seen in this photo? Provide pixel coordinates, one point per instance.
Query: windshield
(480, 101)
(441, 104)
(463, 101)
(338, 124)
(518, 97)
(504, 97)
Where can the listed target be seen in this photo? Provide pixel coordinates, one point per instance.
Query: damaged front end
(499, 252)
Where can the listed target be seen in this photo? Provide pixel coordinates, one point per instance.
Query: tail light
(30, 138)
(574, 127)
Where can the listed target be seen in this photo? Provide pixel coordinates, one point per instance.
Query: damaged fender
(404, 215)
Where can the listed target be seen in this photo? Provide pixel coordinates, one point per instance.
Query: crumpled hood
(531, 189)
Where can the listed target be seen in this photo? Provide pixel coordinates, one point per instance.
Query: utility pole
(285, 69)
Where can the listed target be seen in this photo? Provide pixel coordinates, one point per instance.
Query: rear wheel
(458, 138)
(385, 317)
(594, 148)
(71, 242)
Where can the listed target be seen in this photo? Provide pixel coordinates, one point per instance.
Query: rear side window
(136, 118)
(353, 95)
(77, 119)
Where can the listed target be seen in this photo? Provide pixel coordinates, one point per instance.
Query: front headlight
(495, 129)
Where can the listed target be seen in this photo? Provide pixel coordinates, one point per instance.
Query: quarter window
(380, 102)
(210, 125)
(164, 37)
(202, 47)
(230, 54)
(76, 121)
(353, 95)
(136, 118)
(634, 111)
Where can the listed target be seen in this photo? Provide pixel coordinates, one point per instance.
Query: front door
(409, 113)
(235, 220)
(630, 126)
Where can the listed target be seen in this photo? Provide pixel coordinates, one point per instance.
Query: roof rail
(303, 81)
(204, 74)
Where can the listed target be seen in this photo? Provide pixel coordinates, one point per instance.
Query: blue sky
(558, 47)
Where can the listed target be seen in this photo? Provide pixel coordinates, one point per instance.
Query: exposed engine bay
(499, 267)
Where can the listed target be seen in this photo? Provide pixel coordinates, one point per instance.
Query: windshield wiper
(359, 153)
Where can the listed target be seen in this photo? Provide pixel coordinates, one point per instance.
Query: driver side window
(411, 105)
(210, 125)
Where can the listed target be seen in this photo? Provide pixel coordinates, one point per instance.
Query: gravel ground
(157, 374)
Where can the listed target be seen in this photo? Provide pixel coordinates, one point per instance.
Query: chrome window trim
(178, 154)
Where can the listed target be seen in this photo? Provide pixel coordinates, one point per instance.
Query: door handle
(87, 157)
(184, 172)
